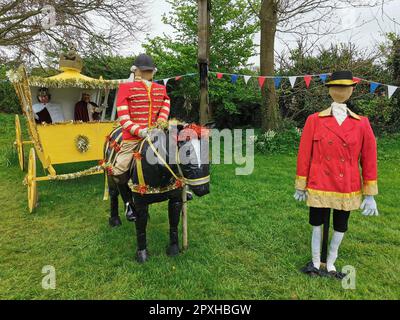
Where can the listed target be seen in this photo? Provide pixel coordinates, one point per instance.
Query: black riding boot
(126, 195)
(174, 211)
(114, 219)
(141, 224)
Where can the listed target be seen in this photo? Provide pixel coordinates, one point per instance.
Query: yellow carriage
(65, 140)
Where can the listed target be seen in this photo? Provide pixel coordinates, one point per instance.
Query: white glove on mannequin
(300, 195)
(369, 206)
(143, 133)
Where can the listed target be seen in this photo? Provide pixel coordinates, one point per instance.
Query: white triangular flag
(391, 90)
(165, 81)
(246, 78)
(292, 80)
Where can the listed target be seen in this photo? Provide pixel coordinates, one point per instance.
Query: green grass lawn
(247, 238)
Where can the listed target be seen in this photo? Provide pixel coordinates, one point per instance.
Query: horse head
(193, 157)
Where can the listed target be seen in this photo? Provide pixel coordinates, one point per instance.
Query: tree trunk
(270, 116)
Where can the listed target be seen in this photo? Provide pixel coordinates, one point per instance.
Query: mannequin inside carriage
(45, 111)
(138, 154)
(334, 145)
(87, 110)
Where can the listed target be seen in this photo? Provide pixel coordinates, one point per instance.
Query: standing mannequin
(334, 143)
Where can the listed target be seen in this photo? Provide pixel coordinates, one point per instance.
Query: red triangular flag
(356, 80)
(178, 78)
(261, 81)
(307, 79)
(219, 75)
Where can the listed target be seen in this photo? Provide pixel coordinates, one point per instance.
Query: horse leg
(141, 224)
(114, 219)
(174, 212)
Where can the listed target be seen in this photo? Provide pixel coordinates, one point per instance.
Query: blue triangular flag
(373, 86)
(323, 77)
(234, 78)
(277, 81)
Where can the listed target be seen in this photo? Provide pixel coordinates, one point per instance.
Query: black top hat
(144, 62)
(341, 79)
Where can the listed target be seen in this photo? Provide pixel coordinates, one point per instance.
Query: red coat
(139, 107)
(329, 161)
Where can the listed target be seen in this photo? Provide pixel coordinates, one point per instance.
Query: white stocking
(333, 250)
(316, 246)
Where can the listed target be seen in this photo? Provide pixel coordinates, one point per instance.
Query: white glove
(143, 133)
(369, 206)
(300, 195)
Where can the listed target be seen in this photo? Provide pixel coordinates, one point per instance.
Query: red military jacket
(139, 107)
(329, 161)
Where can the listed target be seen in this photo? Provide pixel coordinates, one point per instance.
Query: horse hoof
(172, 250)
(114, 221)
(142, 256)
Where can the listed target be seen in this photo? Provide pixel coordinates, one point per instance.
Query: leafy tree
(231, 46)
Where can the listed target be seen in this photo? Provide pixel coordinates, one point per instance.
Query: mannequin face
(340, 94)
(85, 97)
(144, 74)
(44, 99)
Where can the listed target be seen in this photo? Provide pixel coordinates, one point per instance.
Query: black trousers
(340, 218)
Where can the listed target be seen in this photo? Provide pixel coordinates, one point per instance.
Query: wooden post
(325, 238)
(203, 57)
(184, 219)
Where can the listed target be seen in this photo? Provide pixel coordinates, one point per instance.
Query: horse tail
(110, 149)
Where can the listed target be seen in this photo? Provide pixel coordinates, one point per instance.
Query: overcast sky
(365, 37)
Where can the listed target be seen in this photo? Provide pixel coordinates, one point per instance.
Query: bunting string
(292, 80)
(391, 89)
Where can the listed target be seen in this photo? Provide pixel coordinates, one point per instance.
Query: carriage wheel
(19, 143)
(31, 181)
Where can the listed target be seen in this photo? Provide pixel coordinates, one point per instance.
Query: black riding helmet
(144, 62)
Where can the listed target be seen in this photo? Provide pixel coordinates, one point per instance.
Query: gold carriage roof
(71, 77)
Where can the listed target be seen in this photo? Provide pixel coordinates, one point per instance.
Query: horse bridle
(185, 181)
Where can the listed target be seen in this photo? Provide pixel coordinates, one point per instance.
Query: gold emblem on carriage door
(82, 143)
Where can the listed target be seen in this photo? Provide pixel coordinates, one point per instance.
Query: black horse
(166, 161)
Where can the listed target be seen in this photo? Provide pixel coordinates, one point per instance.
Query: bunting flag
(277, 81)
(234, 78)
(307, 80)
(391, 90)
(356, 80)
(166, 81)
(219, 75)
(292, 80)
(261, 81)
(246, 78)
(323, 77)
(374, 86)
(177, 78)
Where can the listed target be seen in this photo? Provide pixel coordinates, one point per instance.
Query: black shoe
(335, 274)
(130, 213)
(114, 221)
(173, 250)
(142, 256)
(310, 270)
